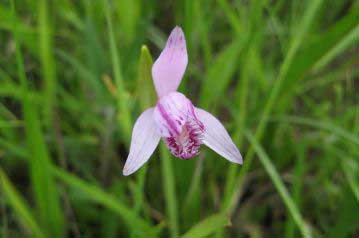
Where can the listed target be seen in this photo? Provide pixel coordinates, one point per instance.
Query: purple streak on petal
(178, 125)
(144, 141)
(217, 138)
(168, 69)
(171, 114)
(170, 122)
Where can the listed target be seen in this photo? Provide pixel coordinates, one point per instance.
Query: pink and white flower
(182, 126)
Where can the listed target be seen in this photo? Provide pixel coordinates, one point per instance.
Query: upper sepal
(168, 69)
(143, 142)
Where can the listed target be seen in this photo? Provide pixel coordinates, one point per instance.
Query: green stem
(47, 60)
(169, 190)
(124, 115)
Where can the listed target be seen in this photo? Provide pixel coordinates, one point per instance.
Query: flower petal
(168, 70)
(216, 137)
(171, 113)
(144, 141)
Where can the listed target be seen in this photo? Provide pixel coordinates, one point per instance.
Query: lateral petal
(217, 138)
(143, 142)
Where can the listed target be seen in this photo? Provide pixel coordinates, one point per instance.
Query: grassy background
(282, 75)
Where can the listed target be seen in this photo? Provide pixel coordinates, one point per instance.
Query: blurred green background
(282, 75)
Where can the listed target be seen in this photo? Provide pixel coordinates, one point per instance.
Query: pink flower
(182, 126)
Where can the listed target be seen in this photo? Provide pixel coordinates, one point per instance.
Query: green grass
(278, 183)
(44, 189)
(281, 75)
(19, 205)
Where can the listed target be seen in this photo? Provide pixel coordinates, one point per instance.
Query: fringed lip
(178, 125)
(186, 145)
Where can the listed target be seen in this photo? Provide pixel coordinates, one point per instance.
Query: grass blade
(46, 194)
(296, 41)
(308, 17)
(19, 205)
(220, 74)
(81, 69)
(297, 186)
(124, 115)
(47, 59)
(309, 57)
(97, 195)
(231, 15)
(351, 171)
(322, 125)
(208, 226)
(279, 185)
(129, 21)
(350, 39)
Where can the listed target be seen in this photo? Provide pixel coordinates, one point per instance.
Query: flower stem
(169, 190)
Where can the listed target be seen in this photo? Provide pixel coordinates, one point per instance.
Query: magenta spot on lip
(187, 143)
(181, 130)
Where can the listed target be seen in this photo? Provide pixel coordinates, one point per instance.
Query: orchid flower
(182, 126)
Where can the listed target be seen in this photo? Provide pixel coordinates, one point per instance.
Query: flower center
(178, 125)
(188, 142)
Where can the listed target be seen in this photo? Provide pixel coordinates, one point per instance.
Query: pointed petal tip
(125, 172)
(217, 138)
(239, 160)
(234, 155)
(177, 39)
(237, 157)
(178, 29)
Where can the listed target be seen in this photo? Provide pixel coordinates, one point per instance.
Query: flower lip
(187, 144)
(178, 125)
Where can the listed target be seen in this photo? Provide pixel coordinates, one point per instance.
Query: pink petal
(216, 137)
(168, 70)
(144, 141)
(171, 113)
